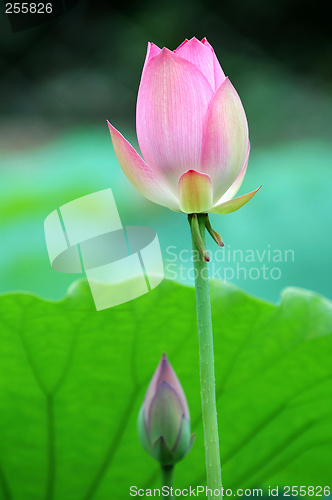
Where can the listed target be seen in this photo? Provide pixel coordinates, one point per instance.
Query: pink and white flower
(192, 131)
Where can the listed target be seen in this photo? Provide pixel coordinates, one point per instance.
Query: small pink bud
(164, 421)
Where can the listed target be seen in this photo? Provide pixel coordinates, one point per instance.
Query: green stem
(167, 477)
(206, 360)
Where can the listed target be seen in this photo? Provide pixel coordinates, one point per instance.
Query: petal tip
(234, 204)
(113, 131)
(181, 45)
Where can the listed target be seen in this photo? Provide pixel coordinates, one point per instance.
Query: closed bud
(192, 131)
(164, 421)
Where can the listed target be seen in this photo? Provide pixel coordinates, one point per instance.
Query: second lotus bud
(164, 421)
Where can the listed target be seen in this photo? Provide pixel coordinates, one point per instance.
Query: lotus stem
(167, 477)
(206, 361)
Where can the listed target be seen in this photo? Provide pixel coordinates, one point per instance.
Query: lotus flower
(192, 131)
(163, 421)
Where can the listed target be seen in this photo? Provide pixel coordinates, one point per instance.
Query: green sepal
(193, 221)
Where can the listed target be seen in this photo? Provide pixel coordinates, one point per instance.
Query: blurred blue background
(60, 82)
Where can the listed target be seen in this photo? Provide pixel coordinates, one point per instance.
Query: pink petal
(165, 415)
(201, 56)
(195, 192)
(142, 177)
(226, 140)
(165, 373)
(219, 75)
(232, 191)
(152, 51)
(232, 205)
(181, 44)
(172, 103)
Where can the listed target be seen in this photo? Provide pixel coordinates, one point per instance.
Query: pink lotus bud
(192, 131)
(163, 421)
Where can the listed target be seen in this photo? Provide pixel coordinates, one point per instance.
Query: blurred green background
(62, 80)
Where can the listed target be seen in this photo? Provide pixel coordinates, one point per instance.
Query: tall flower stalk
(193, 135)
(206, 356)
